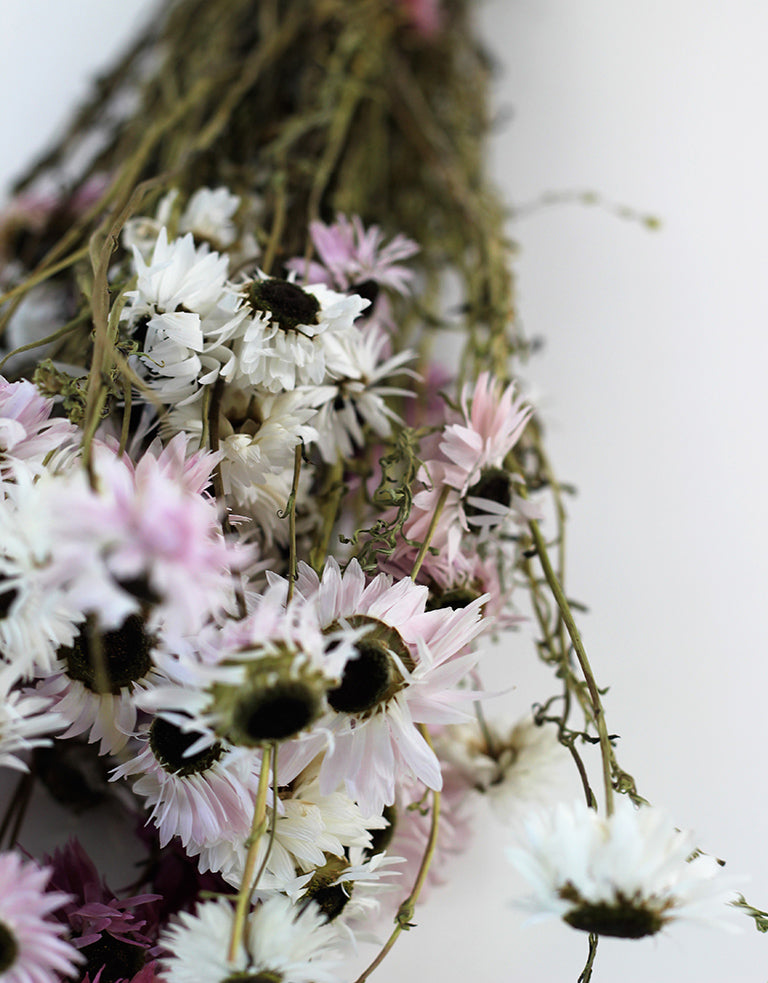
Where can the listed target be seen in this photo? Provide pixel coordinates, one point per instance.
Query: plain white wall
(652, 387)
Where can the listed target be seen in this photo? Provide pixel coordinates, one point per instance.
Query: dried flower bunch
(268, 496)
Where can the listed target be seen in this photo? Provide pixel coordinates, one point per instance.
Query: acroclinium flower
(405, 666)
(513, 766)
(351, 255)
(31, 947)
(629, 875)
(283, 944)
(283, 343)
(202, 798)
(259, 680)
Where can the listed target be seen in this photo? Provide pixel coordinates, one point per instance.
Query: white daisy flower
(282, 944)
(348, 890)
(627, 876)
(310, 828)
(258, 432)
(353, 401)
(514, 767)
(182, 312)
(180, 278)
(265, 505)
(208, 215)
(36, 618)
(283, 343)
(26, 721)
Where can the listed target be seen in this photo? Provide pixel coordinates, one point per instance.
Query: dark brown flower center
(273, 714)
(117, 960)
(142, 590)
(286, 302)
(280, 694)
(112, 660)
(169, 742)
(368, 290)
(372, 677)
(454, 597)
(494, 484)
(329, 897)
(622, 917)
(9, 948)
(265, 976)
(7, 596)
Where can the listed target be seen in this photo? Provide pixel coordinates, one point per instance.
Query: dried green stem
(570, 624)
(291, 509)
(406, 910)
(258, 827)
(586, 974)
(443, 498)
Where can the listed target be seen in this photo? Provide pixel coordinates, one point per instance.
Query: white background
(652, 385)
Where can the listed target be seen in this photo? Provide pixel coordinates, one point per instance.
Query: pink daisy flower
(145, 540)
(411, 827)
(27, 434)
(404, 671)
(258, 680)
(464, 579)
(425, 16)
(490, 425)
(202, 798)
(31, 947)
(471, 464)
(351, 255)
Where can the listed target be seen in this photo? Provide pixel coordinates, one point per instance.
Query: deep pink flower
(114, 935)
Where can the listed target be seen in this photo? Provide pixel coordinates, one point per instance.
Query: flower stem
(248, 882)
(291, 510)
(431, 531)
(586, 973)
(273, 819)
(581, 655)
(405, 911)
